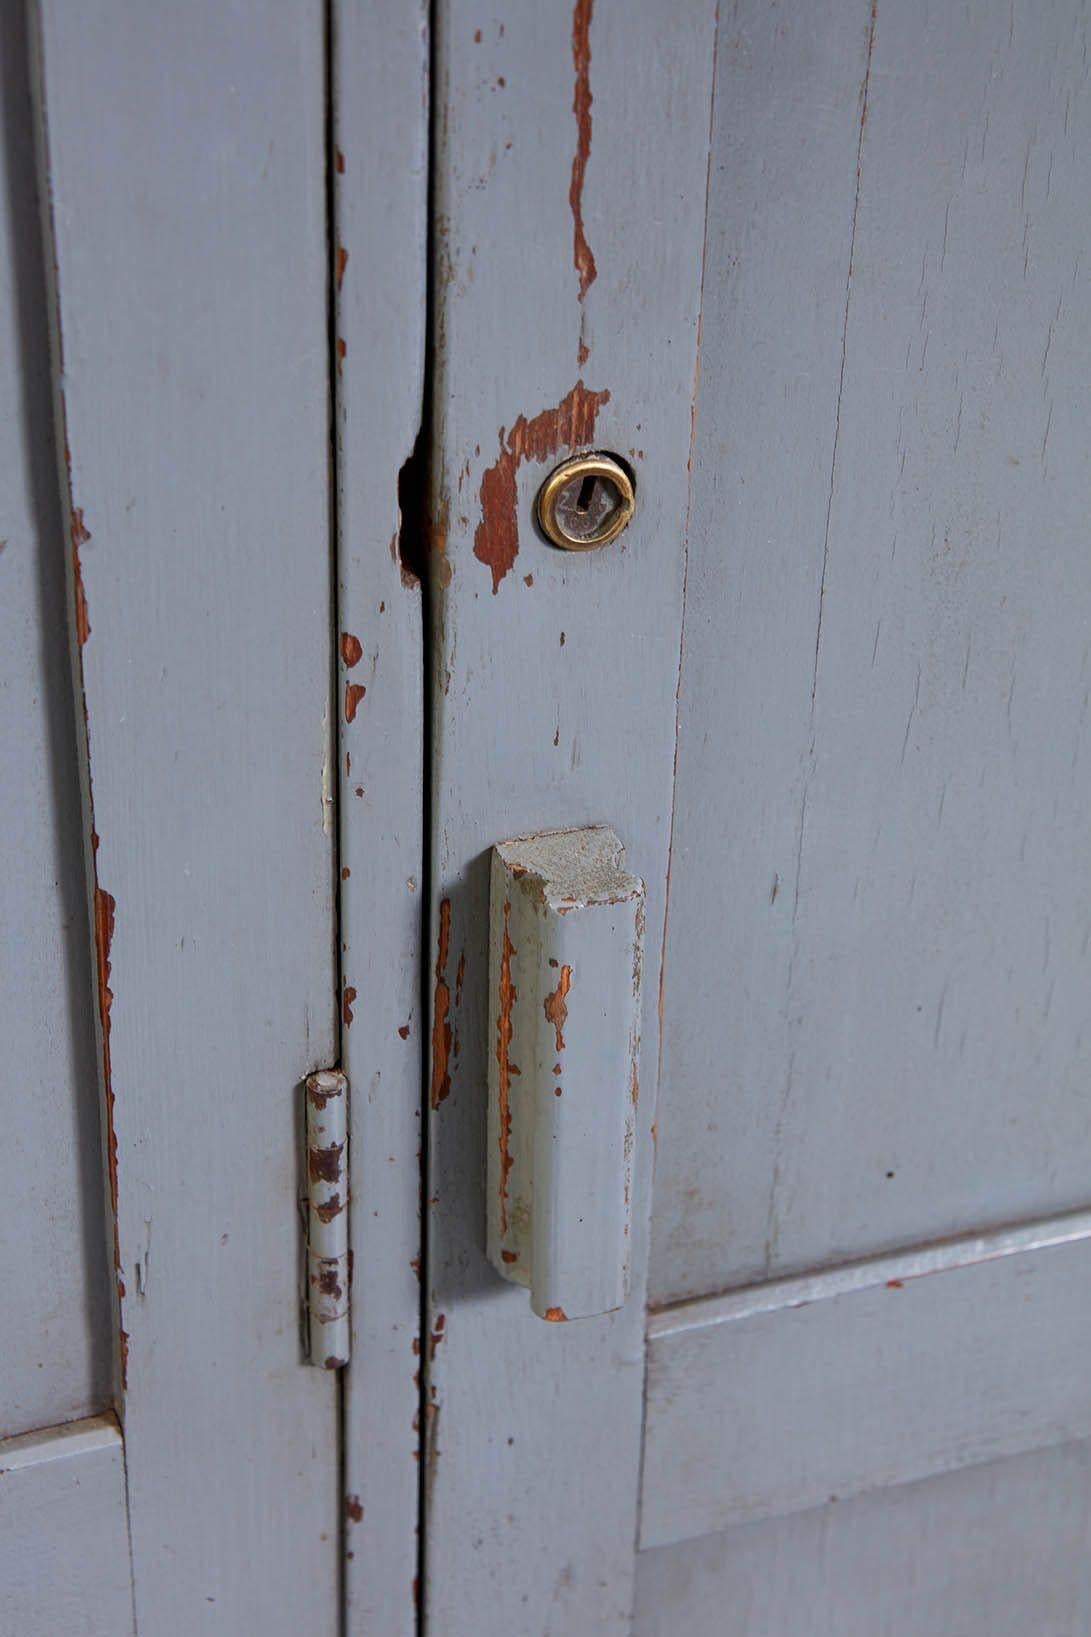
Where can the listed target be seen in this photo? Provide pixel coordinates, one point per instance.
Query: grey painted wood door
(818, 274)
(184, 897)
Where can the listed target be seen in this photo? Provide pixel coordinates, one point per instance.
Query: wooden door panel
(55, 1340)
(881, 718)
(992, 1551)
(567, 278)
(64, 1534)
(185, 180)
(777, 1398)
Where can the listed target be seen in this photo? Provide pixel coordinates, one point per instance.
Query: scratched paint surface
(880, 841)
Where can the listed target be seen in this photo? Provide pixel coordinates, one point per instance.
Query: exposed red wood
(570, 426)
(351, 649)
(507, 998)
(441, 1028)
(581, 107)
(80, 536)
(555, 1007)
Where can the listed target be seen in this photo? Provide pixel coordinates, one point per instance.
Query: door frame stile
(379, 106)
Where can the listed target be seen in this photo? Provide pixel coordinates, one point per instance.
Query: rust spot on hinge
(342, 262)
(347, 999)
(324, 1164)
(316, 1096)
(353, 1510)
(329, 1283)
(508, 994)
(555, 1315)
(354, 692)
(331, 1208)
(351, 649)
(441, 1028)
(437, 1334)
(555, 1006)
(581, 107)
(509, 1256)
(80, 536)
(570, 426)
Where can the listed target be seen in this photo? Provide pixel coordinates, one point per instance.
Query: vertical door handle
(566, 942)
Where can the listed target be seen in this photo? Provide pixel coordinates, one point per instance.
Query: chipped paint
(352, 650)
(341, 264)
(581, 106)
(354, 692)
(346, 1003)
(568, 427)
(508, 994)
(441, 1028)
(80, 536)
(556, 1008)
(354, 1512)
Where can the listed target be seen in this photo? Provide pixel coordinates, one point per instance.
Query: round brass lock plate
(586, 502)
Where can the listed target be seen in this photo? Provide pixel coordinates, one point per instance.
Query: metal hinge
(329, 1260)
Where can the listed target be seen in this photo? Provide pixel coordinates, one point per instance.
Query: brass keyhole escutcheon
(585, 502)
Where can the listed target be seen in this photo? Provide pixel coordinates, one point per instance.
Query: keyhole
(587, 490)
(585, 502)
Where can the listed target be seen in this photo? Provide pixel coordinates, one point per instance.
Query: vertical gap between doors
(333, 748)
(419, 499)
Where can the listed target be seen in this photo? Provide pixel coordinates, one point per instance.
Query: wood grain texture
(883, 698)
(789, 1396)
(1000, 1549)
(185, 171)
(55, 1348)
(64, 1539)
(380, 127)
(554, 697)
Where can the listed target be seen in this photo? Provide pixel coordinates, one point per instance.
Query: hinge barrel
(329, 1265)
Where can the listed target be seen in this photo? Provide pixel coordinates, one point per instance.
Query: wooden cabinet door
(183, 187)
(818, 277)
